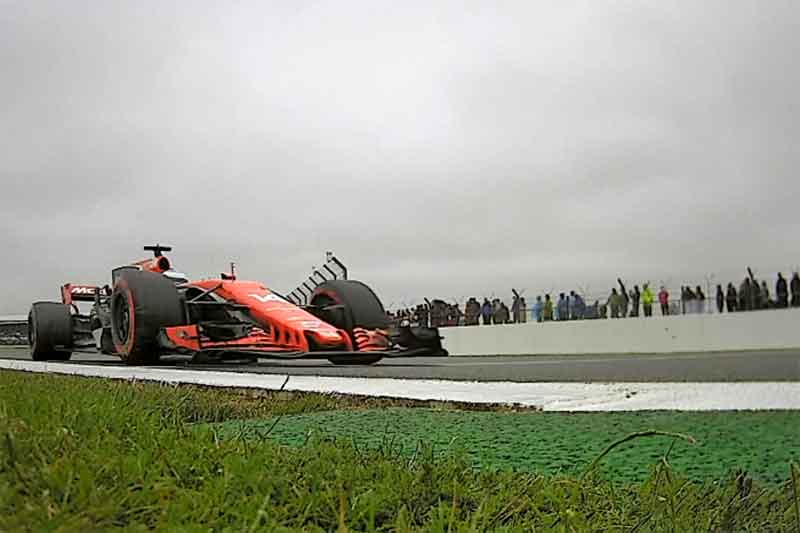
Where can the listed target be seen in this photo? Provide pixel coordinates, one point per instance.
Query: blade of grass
(634, 436)
(793, 469)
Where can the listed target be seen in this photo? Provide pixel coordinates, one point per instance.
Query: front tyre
(50, 331)
(141, 304)
(352, 306)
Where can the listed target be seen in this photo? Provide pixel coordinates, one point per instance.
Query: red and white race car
(151, 310)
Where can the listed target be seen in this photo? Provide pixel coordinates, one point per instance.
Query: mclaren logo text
(81, 290)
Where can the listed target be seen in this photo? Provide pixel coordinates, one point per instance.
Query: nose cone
(327, 338)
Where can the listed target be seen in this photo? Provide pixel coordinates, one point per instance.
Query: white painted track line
(546, 396)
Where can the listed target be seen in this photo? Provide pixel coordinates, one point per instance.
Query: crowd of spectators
(435, 314)
(752, 296)
(620, 303)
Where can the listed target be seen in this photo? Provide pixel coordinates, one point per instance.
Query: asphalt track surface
(691, 367)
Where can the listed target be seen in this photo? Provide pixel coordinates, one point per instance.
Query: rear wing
(71, 293)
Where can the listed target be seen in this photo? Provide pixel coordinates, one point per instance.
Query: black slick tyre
(350, 304)
(141, 304)
(358, 306)
(50, 331)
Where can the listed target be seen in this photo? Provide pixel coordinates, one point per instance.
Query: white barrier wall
(754, 330)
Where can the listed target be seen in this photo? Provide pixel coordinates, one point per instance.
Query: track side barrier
(13, 332)
(754, 330)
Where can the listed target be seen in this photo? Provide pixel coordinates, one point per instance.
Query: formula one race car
(151, 310)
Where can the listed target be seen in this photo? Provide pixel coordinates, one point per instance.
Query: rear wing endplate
(71, 293)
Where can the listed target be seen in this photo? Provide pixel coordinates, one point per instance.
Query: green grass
(79, 454)
(760, 443)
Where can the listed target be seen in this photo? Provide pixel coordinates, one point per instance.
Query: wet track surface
(727, 366)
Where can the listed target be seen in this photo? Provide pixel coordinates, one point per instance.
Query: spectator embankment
(754, 330)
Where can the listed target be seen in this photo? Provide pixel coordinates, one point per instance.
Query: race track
(695, 367)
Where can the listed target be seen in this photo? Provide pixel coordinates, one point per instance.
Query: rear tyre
(348, 304)
(141, 304)
(50, 331)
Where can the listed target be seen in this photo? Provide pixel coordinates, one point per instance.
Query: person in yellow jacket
(548, 308)
(647, 300)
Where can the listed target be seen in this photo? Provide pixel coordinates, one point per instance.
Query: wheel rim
(120, 310)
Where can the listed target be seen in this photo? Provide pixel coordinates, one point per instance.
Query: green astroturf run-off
(760, 443)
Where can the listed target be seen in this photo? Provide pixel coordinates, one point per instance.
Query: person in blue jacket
(538, 307)
(486, 311)
(563, 307)
(578, 306)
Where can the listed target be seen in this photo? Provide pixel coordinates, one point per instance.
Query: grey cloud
(441, 150)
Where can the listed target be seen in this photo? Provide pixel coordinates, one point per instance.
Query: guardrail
(13, 332)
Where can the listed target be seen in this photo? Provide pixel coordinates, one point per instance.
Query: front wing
(403, 342)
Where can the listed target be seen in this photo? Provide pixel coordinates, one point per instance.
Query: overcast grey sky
(439, 148)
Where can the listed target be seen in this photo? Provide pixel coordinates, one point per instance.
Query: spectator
(453, 315)
(794, 286)
(720, 299)
(614, 302)
(731, 298)
(523, 310)
(781, 292)
(635, 296)
(486, 312)
(744, 295)
(687, 296)
(538, 308)
(476, 310)
(623, 299)
(578, 306)
(647, 300)
(663, 299)
(502, 315)
(700, 300)
(548, 308)
(765, 302)
(563, 307)
(570, 303)
(472, 311)
(755, 295)
(515, 307)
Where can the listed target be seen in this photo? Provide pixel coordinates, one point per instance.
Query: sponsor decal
(267, 298)
(82, 290)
